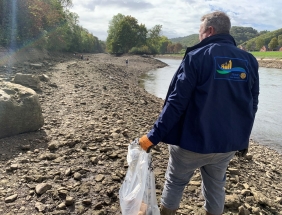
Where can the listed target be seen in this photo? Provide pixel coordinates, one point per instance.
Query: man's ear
(211, 31)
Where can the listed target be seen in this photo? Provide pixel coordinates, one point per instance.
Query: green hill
(240, 34)
(187, 41)
(243, 34)
(266, 38)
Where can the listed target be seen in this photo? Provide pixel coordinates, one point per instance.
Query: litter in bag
(138, 193)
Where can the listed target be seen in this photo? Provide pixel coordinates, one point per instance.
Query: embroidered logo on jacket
(234, 69)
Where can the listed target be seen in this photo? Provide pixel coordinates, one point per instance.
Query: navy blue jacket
(212, 100)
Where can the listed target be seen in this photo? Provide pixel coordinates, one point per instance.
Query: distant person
(126, 62)
(208, 114)
(81, 57)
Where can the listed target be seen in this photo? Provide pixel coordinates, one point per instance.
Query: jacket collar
(226, 38)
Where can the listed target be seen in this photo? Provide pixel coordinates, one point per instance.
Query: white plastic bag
(149, 197)
(138, 194)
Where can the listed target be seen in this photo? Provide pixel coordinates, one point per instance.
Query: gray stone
(20, 110)
(232, 201)
(40, 206)
(36, 65)
(44, 78)
(27, 80)
(14, 166)
(68, 171)
(234, 171)
(63, 193)
(69, 201)
(115, 135)
(113, 155)
(245, 192)
(61, 206)
(47, 156)
(87, 201)
(261, 198)
(42, 188)
(99, 178)
(243, 211)
(77, 176)
(11, 198)
(53, 146)
(94, 160)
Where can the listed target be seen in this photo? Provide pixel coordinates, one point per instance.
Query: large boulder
(28, 80)
(20, 110)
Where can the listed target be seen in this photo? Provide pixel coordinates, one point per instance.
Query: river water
(266, 130)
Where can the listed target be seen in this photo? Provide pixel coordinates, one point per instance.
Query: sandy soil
(76, 162)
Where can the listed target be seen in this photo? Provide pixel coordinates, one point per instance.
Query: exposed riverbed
(76, 162)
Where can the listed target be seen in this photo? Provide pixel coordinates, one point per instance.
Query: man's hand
(145, 143)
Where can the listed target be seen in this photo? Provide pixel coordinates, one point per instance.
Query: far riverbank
(266, 62)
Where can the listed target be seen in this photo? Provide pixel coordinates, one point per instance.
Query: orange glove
(145, 143)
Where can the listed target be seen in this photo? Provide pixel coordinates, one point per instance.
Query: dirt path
(76, 162)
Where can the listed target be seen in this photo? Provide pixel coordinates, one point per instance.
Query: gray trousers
(181, 166)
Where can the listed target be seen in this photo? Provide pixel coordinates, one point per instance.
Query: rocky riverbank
(76, 162)
(270, 63)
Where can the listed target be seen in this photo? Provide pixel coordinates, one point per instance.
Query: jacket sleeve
(177, 101)
(255, 91)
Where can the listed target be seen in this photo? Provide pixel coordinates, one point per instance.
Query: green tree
(170, 48)
(243, 34)
(154, 37)
(177, 48)
(57, 39)
(280, 40)
(141, 35)
(129, 33)
(124, 33)
(259, 43)
(250, 45)
(163, 43)
(111, 42)
(273, 43)
(44, 24)
(124, 38)
(65, 3)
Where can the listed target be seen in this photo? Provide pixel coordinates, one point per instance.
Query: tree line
(45, 24)
(245, 37)
(49, 24)
(126, 35)
(240, 35)
(271, 40)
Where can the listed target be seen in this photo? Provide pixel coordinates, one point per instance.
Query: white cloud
(178, 17)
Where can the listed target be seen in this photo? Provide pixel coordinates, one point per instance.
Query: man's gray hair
(218, 20)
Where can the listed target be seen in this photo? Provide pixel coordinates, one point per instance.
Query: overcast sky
(178, 18)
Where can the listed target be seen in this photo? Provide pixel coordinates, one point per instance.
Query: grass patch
(273, 54)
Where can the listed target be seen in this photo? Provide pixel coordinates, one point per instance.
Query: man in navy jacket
(208, 114)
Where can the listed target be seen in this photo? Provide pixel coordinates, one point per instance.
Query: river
(266, 130)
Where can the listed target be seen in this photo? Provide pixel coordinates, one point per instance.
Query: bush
(140, 50)
(182, 51)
